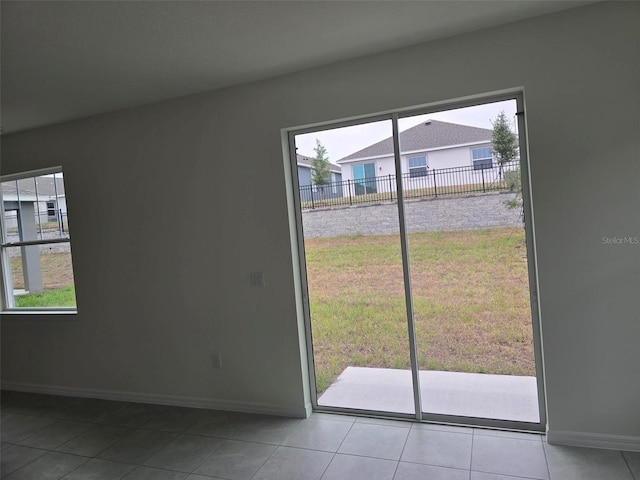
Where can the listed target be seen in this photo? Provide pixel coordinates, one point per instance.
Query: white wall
(436, 160)
(157, 297)
(451, 157)
(441, 158)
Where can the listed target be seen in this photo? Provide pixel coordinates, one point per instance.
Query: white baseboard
(594, 440)
(195, 402)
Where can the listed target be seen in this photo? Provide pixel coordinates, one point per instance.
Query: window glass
(481, 158)
(481, 153)
(418, 166)
(37, 270)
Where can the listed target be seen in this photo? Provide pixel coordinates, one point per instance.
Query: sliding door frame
(394, 116)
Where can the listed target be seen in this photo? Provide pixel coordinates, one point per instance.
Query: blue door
(364, 178)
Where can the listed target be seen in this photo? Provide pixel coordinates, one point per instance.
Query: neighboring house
(27, 205)
(44, 194)
(305, 172)
(429, 146)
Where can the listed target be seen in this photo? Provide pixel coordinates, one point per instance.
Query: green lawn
(63, 297)
(57, 278)
(471, 302)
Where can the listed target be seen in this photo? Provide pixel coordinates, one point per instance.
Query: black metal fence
(423, 184)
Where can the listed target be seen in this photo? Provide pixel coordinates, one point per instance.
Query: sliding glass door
(417, 265)
(354, 273)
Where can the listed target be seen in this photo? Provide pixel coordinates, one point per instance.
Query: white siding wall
(436, 159)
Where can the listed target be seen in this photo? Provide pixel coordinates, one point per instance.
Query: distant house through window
(418, 166)
(51, 211)
(481, 158)
(35, 247)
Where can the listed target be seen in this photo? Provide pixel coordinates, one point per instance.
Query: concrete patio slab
(499, 397)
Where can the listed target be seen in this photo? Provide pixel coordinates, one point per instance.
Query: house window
(418, 166)
(35, 252)
(364, 178)
(481, 158)
(51, 211)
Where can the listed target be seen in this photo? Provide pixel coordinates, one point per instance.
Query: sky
(341, 142)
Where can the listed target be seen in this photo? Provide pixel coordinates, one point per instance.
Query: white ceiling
(68, 59)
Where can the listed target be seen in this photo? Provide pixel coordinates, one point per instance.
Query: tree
(504, 141)
(320, 173)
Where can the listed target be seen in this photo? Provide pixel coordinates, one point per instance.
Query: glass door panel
(469, 270)
(354, 270)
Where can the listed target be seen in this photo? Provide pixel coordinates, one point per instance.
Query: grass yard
(471, 302)
(57, 278)
(63, 297)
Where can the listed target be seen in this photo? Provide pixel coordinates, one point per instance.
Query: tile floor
(48, 437)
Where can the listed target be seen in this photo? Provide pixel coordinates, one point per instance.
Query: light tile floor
(47, 437)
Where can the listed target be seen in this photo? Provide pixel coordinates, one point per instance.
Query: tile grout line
(278, 446)
(68, 473)
(224, 442)
(337, 449)
(345, 436)
(48, 452)
(117, 440)
(628, 466)
(63, 443)
(404, 445)
(28, 463)
(120, 440)
(546, 460)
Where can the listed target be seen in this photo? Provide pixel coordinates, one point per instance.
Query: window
(418, 166)
(364, 178)
(481, 158)
(51, 210)
(35, 248)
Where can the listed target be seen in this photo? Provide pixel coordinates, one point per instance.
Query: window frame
(420, 170)
(7, 297)
(481, 163)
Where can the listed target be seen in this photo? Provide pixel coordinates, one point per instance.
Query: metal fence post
(435, 187)
(390, 189)
(349, 188)
(312, 203)
(483, 188)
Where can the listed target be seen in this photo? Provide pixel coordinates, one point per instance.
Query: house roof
(425, 136)
(27, 187)
(305, 161)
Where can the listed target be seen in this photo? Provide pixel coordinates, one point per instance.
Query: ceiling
(62, 60)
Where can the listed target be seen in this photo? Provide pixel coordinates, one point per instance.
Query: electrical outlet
(217, 361)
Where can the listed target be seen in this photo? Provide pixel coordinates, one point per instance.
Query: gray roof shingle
(307, 162)
(427, 135)
(45, 187)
